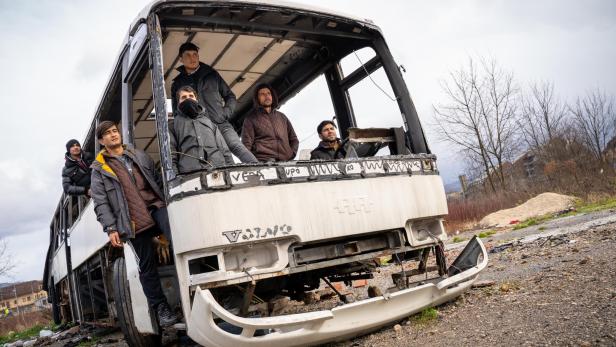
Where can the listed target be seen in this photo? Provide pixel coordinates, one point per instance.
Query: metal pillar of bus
(415, 132)
(159, 97)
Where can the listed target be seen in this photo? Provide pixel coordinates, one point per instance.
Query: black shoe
(166, 317)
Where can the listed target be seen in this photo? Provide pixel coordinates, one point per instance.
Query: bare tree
(479, 117)
(6, 260)
(498, 97)
(594, 119)
(542, 115)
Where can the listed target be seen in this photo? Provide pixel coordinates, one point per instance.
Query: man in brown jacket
(129, 204)
(268, 133)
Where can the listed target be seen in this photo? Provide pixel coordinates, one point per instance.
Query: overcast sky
(56, 57)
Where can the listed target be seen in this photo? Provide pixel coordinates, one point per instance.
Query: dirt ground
(553, 291)
(554, 285)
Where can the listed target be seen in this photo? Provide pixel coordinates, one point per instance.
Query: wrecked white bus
(250, 232)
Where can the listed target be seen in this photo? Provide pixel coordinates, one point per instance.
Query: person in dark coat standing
(196, 141)
(268, 133)
(129, 204)
(76, 171)
(330, 146)
(214, 94)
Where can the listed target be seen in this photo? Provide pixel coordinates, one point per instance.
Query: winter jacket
(197, 142)
(75, 178)
(212, 90)
(269, 136)
(219, 101)
(110, 204)
(325, 152)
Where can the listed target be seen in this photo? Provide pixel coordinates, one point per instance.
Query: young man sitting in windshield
(196, 142)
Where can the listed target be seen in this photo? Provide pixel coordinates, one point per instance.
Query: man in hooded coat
(268, 133)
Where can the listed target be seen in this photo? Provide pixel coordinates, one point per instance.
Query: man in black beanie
(76, 171)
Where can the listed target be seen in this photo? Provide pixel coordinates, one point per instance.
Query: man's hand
(114, 238)
(88, 193)
(162, 248)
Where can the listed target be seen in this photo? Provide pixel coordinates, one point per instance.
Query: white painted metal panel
(58, 264)
(242, 52)
(139, 303)
(87, 236)
(311, 211)
(242, 86)
(272, 55)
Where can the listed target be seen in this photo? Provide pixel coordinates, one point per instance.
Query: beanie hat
(70, 144)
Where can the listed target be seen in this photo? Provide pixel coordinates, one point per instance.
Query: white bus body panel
(87, 236)
(139, 303)
(58, 265)
(311, 211)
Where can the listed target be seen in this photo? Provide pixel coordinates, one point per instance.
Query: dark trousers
(148, 259)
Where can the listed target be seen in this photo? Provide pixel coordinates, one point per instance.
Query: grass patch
(457, 239)
(484, 234)
(22, 335)
(542, 228)
(428, 315)
(604, 204)
(91, 342)
(525, 224)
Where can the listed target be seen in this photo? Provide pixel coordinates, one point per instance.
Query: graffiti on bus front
(257, 233)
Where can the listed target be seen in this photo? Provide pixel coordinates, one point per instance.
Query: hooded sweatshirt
(269, 136)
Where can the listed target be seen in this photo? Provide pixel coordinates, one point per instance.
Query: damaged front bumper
(340, 322)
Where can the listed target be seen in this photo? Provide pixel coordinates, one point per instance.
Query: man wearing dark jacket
(268, 133)
(213, 93)
(129, 203)
(76, 171)
(330, 146)
(196, 142)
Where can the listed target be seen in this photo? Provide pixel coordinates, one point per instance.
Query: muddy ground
(555, 284)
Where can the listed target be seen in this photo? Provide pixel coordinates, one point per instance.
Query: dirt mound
(540, 205)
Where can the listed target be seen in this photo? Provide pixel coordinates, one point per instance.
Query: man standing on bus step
(76, 171)
(268, 133)
(129, 203)
(194, 138)
(214, 94)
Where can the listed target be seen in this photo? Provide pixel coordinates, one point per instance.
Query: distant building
(23, 297)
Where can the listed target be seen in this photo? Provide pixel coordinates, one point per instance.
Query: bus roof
(282, 5)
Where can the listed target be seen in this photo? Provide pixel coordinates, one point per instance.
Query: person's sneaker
(166, 317)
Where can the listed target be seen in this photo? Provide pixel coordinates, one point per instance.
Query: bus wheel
(121, 295)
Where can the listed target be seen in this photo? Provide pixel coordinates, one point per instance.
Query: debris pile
(540, 205)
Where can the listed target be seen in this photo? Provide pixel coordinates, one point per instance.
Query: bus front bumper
(321, 326)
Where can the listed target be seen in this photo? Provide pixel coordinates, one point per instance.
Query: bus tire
(121, 295)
